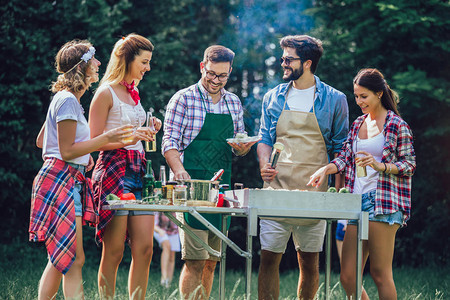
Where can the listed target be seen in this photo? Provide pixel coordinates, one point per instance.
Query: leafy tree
(33, 31)
(408, 40)
(180, 31)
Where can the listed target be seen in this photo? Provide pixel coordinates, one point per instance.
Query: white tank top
(374, 146)
(136, 113)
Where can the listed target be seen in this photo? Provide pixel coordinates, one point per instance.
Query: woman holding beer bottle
(120, 166)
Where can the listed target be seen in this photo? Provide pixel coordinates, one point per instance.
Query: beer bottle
(148, 183)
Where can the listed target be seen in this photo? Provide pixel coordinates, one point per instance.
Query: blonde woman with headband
(61, 200)
(121, 165)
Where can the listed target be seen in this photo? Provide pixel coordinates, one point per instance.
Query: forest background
(408, 40)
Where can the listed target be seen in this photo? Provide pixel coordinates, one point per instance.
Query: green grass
(21, 268)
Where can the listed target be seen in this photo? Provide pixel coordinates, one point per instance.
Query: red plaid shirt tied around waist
(393, 191)
(107, 178)
(52, 217)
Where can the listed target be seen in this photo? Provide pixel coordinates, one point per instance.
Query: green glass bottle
(148, 183)
(157, 192)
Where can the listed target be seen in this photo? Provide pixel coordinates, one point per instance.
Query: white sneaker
(165, 283)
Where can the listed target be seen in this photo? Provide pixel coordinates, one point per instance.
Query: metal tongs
(278, 148)
(231, 199)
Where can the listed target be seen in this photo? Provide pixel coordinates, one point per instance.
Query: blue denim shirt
(330, 106)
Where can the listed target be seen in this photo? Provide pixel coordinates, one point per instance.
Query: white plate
(248, 139)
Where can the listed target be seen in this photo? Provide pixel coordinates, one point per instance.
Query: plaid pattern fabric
(185, 115)
(107, 178)
(393, 191)
(52, 216)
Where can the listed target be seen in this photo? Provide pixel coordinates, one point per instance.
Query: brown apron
(304, 153)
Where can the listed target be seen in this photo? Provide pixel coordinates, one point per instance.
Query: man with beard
(197, 123)
(310, 118)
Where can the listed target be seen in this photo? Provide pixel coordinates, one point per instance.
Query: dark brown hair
(217, 54)
(306, 47)
(373, 80)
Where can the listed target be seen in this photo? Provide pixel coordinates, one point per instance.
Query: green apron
(208, 153)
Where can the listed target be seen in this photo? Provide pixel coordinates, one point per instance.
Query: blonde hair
(70, 78)
(123, 54)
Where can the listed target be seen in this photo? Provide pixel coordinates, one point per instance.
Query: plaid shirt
(186, 113)
(107, 178)
(393, 190)
(52, 217)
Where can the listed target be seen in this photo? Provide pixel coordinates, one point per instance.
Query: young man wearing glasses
(197, 123)
(310, 118)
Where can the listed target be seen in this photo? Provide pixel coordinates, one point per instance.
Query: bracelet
(384, 167)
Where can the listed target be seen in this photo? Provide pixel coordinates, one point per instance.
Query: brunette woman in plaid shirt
(61, 200)
(382, 142)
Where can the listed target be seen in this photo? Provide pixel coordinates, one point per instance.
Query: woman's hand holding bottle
(154, 125)
(145, 134)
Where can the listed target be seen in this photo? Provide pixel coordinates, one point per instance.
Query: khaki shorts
(274, 236)
(193, 250)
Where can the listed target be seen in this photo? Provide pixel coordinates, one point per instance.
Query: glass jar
(179, 195)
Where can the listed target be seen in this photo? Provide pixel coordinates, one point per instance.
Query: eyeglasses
(211, 75)
(288, 60)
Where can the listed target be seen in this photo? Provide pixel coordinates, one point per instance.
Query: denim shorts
(77, 190)
(368, 204)
(340, 232)
(132, 183)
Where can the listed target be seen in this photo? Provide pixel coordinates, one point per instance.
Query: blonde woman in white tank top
(120, 166)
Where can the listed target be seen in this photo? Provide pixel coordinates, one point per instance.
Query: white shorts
(274, 236)
(174, 240)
